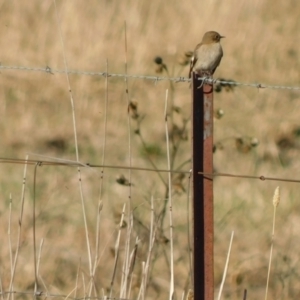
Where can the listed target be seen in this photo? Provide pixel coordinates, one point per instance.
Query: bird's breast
(208, 56)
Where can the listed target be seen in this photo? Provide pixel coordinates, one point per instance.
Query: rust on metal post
(202, 161)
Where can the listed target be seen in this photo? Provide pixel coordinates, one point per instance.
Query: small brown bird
(207, 54)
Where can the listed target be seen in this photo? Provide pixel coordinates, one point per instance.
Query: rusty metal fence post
(202, 164)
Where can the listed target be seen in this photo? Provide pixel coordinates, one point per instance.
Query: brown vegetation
(261, 46)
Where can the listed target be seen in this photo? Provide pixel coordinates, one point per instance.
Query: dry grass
(261, 45)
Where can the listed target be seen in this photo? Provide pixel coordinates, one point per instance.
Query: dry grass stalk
(100, 204)
(171, 291)
(146, 265)
(1, 288)
(117, 252)
(126, 263)
(44, 285)
(226, 266)
(133, 256)
(73, 290)
(76, 142)
(9, 235)
(128, 119)
(39, 258)
(190, 295)
(34, 230)
(83, 283)
(77, 278)
(276, 199)
(19, 231)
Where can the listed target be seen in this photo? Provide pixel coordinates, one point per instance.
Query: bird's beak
(222, 37)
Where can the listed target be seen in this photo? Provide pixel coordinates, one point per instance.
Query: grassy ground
(261, 46)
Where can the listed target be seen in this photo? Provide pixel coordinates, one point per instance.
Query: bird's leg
(201, 85)
(206, 75)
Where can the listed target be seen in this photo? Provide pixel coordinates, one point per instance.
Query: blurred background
(261, 46)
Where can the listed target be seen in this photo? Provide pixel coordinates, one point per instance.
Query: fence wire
(155, 79)
(69, 163)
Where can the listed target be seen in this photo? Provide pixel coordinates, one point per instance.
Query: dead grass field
(261, 45)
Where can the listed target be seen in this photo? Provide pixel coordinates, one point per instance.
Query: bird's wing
(192, 63)
(193, 60)
(218, 62)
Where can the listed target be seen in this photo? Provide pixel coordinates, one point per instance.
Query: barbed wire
(89, 73)
(88, 165)
(208, 80)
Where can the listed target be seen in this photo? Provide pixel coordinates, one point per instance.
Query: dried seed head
(226, 84)
(178, 184)
(254, 142)
(218, 146)
(242, 145)
(189, 54)
(218, 113)
(276, 197)
(177, 109)
(185, 58)
(160, 65)
(158, 60)
(133, 108)
(161, 238)
(133, 105)
(123, 180)
(246, 144)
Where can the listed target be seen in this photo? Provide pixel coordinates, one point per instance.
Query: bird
(207, 55)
